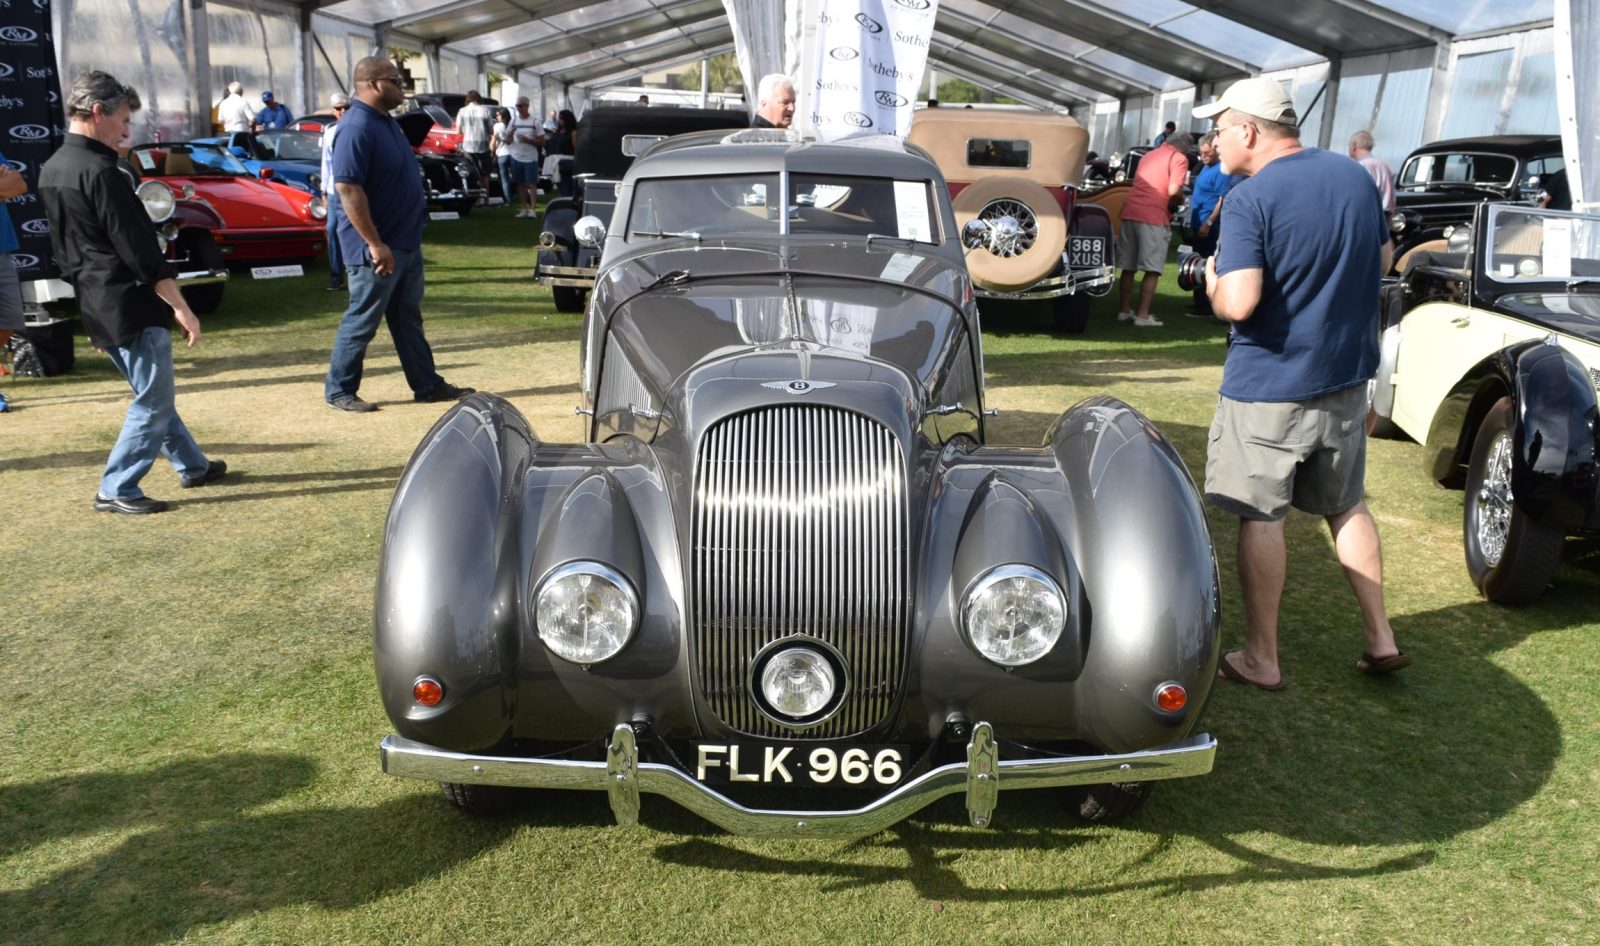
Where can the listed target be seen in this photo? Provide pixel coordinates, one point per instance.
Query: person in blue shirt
(1205, 211)
(381, 211)
(12, 185)
(1304, 245)
(272, 114)
(1168, 131)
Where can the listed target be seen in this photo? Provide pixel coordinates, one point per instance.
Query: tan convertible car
(1015, 179)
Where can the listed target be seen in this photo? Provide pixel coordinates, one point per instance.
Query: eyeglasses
(395, 79)
(1222, 128)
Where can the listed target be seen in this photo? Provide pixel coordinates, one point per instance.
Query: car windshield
(290, 146)
(754, 204)
(1425, 170)
(187, 160)
(1531, 245)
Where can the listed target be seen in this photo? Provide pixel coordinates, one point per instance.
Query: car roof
(771, 150)
(1518, 145)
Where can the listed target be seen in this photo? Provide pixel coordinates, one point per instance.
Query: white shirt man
(235, 112)
(1361, 149)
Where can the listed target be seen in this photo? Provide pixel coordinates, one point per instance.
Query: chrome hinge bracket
(622, 775)
(983, 775)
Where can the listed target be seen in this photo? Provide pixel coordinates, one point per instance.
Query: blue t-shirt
(8, 236)
(372, 151)
(1313, 224)
(1209, 186)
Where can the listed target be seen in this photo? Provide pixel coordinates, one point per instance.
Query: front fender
(1554, 444)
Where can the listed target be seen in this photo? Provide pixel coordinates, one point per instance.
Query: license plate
(777, 763)
(1086, 252)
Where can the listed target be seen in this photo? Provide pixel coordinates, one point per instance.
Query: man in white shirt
(1361, 149)
(474, 120)
(340, 103)
(235, 113)
(527, 135)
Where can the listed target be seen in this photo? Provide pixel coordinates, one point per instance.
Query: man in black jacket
(106, 247)
(774, 102)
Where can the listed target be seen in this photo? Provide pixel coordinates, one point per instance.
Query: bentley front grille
(800, 528)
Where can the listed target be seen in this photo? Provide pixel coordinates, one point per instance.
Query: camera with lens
(1191, 271)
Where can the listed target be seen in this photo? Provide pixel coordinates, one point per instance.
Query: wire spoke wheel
(1011, 241)
(1493, 510)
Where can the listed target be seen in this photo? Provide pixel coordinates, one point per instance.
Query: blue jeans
(335, 257)
(395, 299)
(152, 426)
(508, 191)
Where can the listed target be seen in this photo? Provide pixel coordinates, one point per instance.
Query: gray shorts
(1265, 456)
(10, 295)
(1143, 246)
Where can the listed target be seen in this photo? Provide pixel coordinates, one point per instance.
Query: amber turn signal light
(427, 691)
(1171, 697)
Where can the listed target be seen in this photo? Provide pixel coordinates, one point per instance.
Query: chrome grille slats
(801, 527)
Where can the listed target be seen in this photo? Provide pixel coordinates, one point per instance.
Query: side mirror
(590, 232)
(974, 234)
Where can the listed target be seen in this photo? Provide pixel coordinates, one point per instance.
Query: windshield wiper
(900, 240)
(670, 278)
(663, 234)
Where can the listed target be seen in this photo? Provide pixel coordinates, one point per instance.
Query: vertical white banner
(867, 66)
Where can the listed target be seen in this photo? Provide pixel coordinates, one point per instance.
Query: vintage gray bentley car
(1491, 358)
(786, 562)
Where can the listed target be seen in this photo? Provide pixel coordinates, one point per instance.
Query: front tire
(1510, 557)
(1071, 313)
(203, 252)
(482, 799)
(1106, 804)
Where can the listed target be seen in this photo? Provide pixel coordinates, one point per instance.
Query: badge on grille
(797, 386)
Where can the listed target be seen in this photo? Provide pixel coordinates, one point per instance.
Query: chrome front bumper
(578, 277)
(624, 778)
(1069, 283)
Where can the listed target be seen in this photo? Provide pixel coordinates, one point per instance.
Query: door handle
(1461, 321)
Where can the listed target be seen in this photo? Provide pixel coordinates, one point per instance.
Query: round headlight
(585, 612)
(1397, 222)
(158, 200)
(798, 682)
(1014, 614)
(318, 208)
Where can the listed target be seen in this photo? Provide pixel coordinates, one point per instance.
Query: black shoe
(142, 506)
(445, 392)
(351, 403)
(335, 285)
(215, 470)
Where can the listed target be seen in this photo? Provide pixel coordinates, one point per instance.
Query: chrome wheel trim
(1014, 240)
(1492, 512)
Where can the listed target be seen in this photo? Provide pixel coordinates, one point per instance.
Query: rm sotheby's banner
(868, 64)
(31, 122)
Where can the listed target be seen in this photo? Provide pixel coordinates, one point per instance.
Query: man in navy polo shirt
(380, 237)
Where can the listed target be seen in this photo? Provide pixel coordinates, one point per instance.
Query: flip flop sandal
(1378, 666)
(1227, 670)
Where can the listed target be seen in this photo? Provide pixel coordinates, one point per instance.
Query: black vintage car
(449, 181)
(607, 142)
(1440, 185)
(785, 560)
(1491, 359)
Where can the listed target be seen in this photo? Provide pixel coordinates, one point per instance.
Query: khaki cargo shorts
(1143, 246)
(1265, 456)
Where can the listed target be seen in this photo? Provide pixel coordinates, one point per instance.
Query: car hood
(1576, 314)
(247, 202)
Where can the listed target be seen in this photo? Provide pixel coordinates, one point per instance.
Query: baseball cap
(1258, 96)
(266, 96)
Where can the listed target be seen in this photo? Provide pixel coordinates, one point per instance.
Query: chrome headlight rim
(984, 585)
(763, 660)
(160, 203)
(318, 208)
(593, 569)
(1397, 221)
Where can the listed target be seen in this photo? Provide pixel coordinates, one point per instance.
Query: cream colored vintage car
(1015, 178)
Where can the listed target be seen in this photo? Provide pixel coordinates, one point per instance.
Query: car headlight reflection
(798, 682)
(158, 200)
(1397, 222)
(318, 208)
(585, 612)
(1014, 614)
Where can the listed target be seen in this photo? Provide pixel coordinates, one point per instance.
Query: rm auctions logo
(17, 34)
(844, 53)
(37, 226)
(908, 4)
(869, 24)
(889, 99)
(857, 119)
(29, 132)
(24, 260)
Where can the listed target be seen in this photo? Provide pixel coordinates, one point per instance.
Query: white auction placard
(868, 64)
(276, 272)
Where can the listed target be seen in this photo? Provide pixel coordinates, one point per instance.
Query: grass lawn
(190, 721)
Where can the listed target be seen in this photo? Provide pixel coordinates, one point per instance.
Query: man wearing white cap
(1304, 246)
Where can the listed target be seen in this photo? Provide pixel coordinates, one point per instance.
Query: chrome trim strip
(578, 277)
(1182, 759)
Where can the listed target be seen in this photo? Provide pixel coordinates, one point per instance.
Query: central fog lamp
(586, 612)
(798, 682)
(1014, 615)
